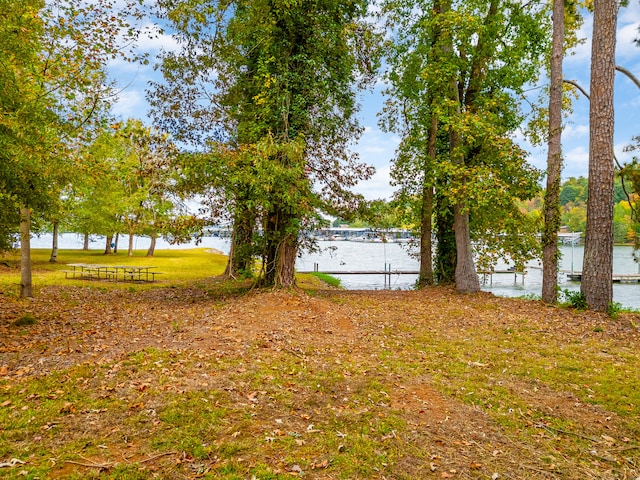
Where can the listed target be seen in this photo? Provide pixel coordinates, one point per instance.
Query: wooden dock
(487, 276)
(363, 272)
(616, 278)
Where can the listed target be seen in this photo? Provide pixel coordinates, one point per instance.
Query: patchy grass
(202, 379)
(327, 279)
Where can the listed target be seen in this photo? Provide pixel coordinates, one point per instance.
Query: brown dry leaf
(68, 407)
(322, 464)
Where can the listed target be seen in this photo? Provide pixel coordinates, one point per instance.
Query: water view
(345, 256)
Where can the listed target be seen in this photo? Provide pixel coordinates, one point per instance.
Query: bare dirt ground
(412, 343)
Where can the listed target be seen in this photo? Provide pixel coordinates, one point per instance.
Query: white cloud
(131, 104)
(622, 156)
(571, 131)
(576, 162)
(378, 186)
(582, 52)
(377, 147)
(152, 40)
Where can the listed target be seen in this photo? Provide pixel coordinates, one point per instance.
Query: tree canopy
(456, 69)
(272, 102)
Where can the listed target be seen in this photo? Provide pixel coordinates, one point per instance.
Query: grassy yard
(192, 377)
(178, 267)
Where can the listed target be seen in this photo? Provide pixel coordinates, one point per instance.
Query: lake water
(349, 256)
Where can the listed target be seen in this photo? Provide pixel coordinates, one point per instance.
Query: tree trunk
(426, 257)
(54, 246)
(26, 286)
(240, 260)
(554, 162)
(446, 239)
(131, 238)
(107, 248)
(426, 213)
(85, 243)
(465, 273)
(286, 263)
(598, 251)
(115, 243)
(152, 245)
(466, 276)
(281, 250)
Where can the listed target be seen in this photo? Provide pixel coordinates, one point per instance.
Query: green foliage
(470, 93)
(614, 309)
(54, 92)
(283, 75)
(575, 299)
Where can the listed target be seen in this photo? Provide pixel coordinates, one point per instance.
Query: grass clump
(25, 320)
(328, 279)
(575, 299)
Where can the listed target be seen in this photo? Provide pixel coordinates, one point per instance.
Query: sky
(377, 148)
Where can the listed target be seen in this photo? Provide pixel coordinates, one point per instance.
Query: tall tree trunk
(598, 251)
(554, 162)
(152, 245)
(26, 286)
(426, 212)
(466, 277)
(85, 242)
(426, 256)
(115, 243)
(54, 247)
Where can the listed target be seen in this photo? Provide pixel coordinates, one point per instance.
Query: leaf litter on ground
(180, 383)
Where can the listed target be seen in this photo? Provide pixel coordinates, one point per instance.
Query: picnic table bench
(125, 273)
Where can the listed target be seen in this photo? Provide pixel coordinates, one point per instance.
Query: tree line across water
(256, 111)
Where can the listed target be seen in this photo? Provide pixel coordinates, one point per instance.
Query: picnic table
(116, 273)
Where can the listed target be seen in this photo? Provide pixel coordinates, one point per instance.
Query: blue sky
(378, 148)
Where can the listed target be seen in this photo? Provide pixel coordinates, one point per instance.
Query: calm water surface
(349, 256)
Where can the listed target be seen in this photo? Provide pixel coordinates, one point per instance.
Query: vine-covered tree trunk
(426, 257)
(445, 270)
(598, 251)
(426, 214)
(26, 285)
(54, 247)
(240, 260)
(554, 162)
